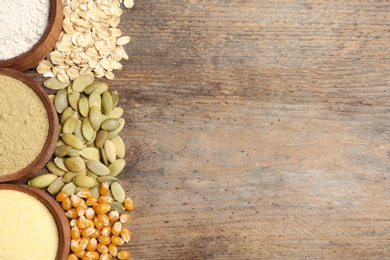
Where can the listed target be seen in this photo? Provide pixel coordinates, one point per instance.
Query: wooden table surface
(257, 129)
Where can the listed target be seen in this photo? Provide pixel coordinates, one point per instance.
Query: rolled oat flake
(22, 24)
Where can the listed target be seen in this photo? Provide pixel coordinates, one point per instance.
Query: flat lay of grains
(90, 43)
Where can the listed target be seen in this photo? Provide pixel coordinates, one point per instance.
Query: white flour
(22, 24)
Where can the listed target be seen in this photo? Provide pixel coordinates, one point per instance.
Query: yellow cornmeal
(24, 125)
(28, 230)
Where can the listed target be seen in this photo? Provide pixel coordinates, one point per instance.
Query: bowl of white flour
(29, 31)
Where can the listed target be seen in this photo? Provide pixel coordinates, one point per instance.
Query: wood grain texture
(257, 129)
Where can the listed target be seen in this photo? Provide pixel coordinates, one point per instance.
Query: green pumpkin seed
(116, 113)
(98, 168)
(74, 153)
(83, 106)
(103, 156)
(112, 134)
(118, 192)
(56, 186)
(72, 140)
(116, 167)
(95, 191)
(43, 180)
(90, 153)
(84, 181)
(61, 100)
(73, 99)
(107, 103)
(69, 188)
(95, 100)
(59, 162)
(68, 112)
(87, 129)
(52, 97)
(98, 87)
(95, 116)
(79, 132)
(119, 146)
(110, 124)
(110, 150)
(62, 150)
(115, 205)
(74, 164)
(69, 126)
(115, 98)
(52, 167)
(108, 179)
(80, 83)
(101, 137)
(92, 175)
(68, 177)
(54, 83)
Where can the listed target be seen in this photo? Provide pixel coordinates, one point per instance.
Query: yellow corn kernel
(89, 213)
(103, 219)
(66, 204)
(72, 257)
(103, 208)
(92, 243)
(75, 233)
(106, 231)
(105, 240)
(76, 200)
(116, 228)
(87, 232)
(82, 222)
(125, 234)
(86, 258)
(84, 242)
(92, 254)
(105, 199)
(113, 216)
(123, 255)
(112, 249)
(91, 200)
(72, 214)
(124, 218)
(89, 223)
(96, 234)
(73, 222)
(75, 246)
(98, 224)
(62, 196)
(101, 248)
(80, 254)
(117, 240)
(105, 256)
(104, 188)
(128, 203)
(84, 193)
(80, 210)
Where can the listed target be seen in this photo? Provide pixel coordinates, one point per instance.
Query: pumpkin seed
(92, 175)
(79, 132)
(74, 153)
(43, 180)
(68, 112)
(108, 179)
(69, 126)
(74, 164)
(82, 82)
(95, 116)
(61, 100)
(83, 106)
(59, 162)
(115, 132)
(95, 191)
(52, 97)
(68, 177)
(84, 181)
(90, 153)
(56, 186)
(119, 146)
(116, 113)
(101, 137)
(103, 156)
(115, 205)
(72, 140)
(62, 150)
(87, 129)
(115, 98)
(69, 188)
(54, 83)
(110, 124)
(73, 99)
(98, 87)
(110, 150)
(118, 192)
(52, 167)
(98, 168)
(116, 167)
(107, 103)
(95, 100)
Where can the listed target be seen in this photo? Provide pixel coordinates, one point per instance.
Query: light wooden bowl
(57, 211)
(48, 149)
(44, 46)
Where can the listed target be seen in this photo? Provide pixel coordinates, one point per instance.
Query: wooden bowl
(57, 211)
(48, 149)
(44, 46)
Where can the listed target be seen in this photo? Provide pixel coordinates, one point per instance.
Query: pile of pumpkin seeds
(89, 151)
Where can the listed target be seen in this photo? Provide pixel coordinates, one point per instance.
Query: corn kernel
(89, 223)
(96, 234)
(91, 200)
(86, 258)
(88, 231)
(73, 222)
(80, 210)
(103, 219)
(75, 246)
(101, 248)
(92, 254)
(125, 234)
(72, 214)
(76, 200)
(113, 216)
(124, 218)
(62, 196)
(106, 231)
(82, 222)
(103, 188)
(116, 228)
(112, 249)
(84, 242)
(80, 254)
(98, 224)
(66, 204)
(72, 257)
(92, 244)
(103, 208)
(117, 240)
(105, 199)
(84, 193)
(105, 256)
(128, 203)
(106, 240)
(89, 213)
(123, 255)
(75, 233)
